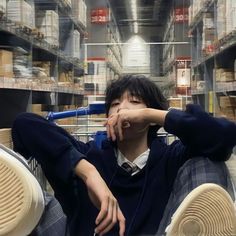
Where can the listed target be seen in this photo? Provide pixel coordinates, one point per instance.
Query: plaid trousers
(193, 173)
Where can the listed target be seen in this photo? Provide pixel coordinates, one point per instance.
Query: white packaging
(3, 6)
(21, 12)
(68, 3)
(76, 44)
(79, 11)
(48, 23)
(230, 16)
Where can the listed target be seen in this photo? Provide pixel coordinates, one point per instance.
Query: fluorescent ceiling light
(134, 15)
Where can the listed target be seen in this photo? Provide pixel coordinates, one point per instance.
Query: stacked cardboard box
(38, 109)
(224, 75)
(21, 12)
(5, 137)
(41, 71)
(177, 102)
(3, 6)
(48, 23)
(6, 63)
(227, 107)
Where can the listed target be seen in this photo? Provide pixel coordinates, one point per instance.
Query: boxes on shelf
(67, 3)
(3, 5)
(72, 45)
(230, 16)
(195, 80)
(38, 109)
(21, 12)
(6, 63)
(5, 137)
(48, 23)
(76, 44)
(21, 65)
(41, 68)
(228, 112)
(201, 85)
(177, 102)
(224, 75)
(226, 101)
(66, 77)
(79, 11)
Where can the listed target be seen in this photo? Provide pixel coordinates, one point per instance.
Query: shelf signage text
(100, 16)
(181, 15)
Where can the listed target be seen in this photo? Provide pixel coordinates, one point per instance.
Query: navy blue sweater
(142, 197)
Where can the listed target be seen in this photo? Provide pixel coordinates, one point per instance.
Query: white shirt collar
(140, 161)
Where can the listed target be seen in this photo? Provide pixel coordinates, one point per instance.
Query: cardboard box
(6, 63)
(228, 113)
(5, 137)
(226, 101)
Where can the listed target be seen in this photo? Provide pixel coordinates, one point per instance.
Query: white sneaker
(21, 197)
(208, 210)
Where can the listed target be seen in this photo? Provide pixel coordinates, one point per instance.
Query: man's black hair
(141, 87)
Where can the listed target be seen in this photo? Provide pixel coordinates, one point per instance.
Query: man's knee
(202, 170)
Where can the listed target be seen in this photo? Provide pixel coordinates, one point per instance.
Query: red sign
(181, 15)
(100, 15)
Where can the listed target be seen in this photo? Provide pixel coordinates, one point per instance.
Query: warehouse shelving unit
(177, 53)
(213, 29)
(103, 48)
(50, 73)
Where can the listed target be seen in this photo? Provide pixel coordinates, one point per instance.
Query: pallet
(227, 38)
(24, 29)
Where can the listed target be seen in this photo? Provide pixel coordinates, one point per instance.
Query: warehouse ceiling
(151, 17)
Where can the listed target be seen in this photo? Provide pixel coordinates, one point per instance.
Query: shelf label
(100, 16)
(181, 15)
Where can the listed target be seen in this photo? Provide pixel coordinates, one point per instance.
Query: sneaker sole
(207, 211)
(21, 197)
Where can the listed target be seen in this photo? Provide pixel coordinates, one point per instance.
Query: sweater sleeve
(201, 133)
(49, 144)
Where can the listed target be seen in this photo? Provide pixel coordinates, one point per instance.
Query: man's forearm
(83, 169)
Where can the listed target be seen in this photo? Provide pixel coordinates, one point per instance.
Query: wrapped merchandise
(76, 44)
(48, 23)
(79, 11)
(21, 12)
(21, 66)
(3, 6)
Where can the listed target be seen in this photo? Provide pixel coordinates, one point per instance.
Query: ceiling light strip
(134, 15)
(147, 43)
